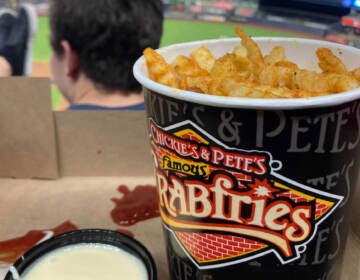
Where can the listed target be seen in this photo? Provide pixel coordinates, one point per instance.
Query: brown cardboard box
(67, 166)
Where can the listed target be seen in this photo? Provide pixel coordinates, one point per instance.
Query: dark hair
(108, 36)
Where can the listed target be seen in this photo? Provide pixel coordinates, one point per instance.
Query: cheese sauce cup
(88, 254)
(254, 188)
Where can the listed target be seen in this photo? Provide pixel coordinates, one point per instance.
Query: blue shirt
(140, 106)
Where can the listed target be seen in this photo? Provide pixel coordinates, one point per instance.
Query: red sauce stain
(11, 250)
(135, 206)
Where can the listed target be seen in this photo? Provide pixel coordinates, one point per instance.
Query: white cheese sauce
(86, 262)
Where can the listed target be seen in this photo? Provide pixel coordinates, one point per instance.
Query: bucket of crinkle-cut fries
(256, 149)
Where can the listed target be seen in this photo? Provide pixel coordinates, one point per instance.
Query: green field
(175, 31)
(42, 49)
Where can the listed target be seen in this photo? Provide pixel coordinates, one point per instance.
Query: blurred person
(17, 32)
(95, 44)
(5, 67)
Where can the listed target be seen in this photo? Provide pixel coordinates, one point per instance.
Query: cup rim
(84, 236)
(246, 102)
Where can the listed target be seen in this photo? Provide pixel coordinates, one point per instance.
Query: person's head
(103, 39)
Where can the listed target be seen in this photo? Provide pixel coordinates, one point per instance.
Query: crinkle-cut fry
(329, 62)
(254, 52)
(244, 66)
(276, 76)
(324, 82)
(287, 64)
(277, 54)
(243, 88)
(294, 78)
(185, 66)
(191, 76)
(356, 73)
(159, 70)
(203, 57)
(246, 72)
(229, 65)
(240, 51)
(198, 84)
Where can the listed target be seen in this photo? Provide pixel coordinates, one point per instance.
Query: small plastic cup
(108, 241)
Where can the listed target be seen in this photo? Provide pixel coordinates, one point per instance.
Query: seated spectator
(95, 44)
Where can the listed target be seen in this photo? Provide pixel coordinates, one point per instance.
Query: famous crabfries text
(247, 72)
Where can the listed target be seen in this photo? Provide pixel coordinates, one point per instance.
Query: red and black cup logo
(253, 192)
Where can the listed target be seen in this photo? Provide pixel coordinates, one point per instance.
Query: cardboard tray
(67, 166)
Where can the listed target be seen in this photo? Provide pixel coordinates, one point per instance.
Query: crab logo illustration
(224, 205)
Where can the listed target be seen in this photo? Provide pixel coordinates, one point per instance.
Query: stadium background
(176, 29)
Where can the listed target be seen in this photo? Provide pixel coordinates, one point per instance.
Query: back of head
(108, 36)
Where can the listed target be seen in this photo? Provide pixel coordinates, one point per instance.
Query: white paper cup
(254, 188)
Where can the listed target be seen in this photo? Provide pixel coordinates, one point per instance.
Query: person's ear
(71, 60)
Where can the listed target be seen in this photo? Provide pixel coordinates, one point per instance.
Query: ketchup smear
(137, 205)
(11, 250)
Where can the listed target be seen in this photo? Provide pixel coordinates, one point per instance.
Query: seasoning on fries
(247, 72)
